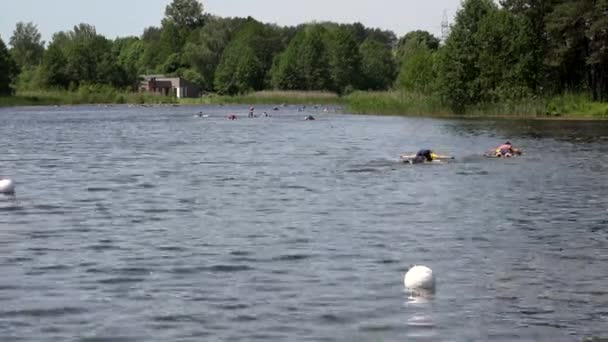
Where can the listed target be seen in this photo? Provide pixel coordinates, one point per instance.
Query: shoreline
(565, 107)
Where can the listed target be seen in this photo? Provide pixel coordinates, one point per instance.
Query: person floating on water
(505, 150)
(231, 117)
(423, 156)
(309, 117)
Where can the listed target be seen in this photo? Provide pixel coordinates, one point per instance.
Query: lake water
(149, 224)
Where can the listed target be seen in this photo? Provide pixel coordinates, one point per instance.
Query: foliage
(26, 47)
(344, 59)
(418, 71)
(8, 70)
(505, 57)
(86, 94)
(413, 41)
(240, 71)
(304, 65)
(459, 67)
(205, 48)
(395, 103)
(272, 97)
(517, 57)
(377, 65)
(185, 13)
(29, 79)
(247, 59)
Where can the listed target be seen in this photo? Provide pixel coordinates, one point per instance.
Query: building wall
(169, 85)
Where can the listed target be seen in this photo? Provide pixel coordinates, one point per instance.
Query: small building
(169, 86)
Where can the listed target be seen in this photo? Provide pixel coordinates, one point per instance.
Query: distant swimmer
(423, 156)
(505, 150)
(266, 115)
(309, 117)
(231, 117)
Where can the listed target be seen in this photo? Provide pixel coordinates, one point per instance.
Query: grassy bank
(271, 97)
(568, 106)
(395, 103)
(84, 95)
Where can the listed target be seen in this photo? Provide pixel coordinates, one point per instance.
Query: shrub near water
(407, 103)
(270, 97)
(86, 94)
(395, 103)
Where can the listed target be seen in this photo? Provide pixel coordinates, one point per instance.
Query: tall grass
(270, 97)
(404, 103)
(89, 94)
(576, 105)
(360, 102)
(395, 103)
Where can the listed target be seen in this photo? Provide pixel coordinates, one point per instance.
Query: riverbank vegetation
(85, 94)
(519, 58)
(271, 97)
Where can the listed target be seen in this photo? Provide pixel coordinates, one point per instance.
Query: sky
(119, 18)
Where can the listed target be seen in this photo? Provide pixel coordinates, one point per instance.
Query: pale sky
(119, 18)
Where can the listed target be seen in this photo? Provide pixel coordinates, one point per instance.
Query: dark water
(147, 224)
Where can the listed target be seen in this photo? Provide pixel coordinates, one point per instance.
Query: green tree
(193, 76)
(598, 57)
(26, 47)
(82, 32)
(344, 59)
(81, 56)
(567, 43)
(204, 49)
(185, 13)
(151, 34)
(286, 71)
(240, 70)
(417, 72)
(459, 59)
(129, 52)
(54, 63)
(505, 57)
(412, 41)
(377, 65)
(313, 59)
(8, 71)
(172, 64)
(246, 62)
(536, 12)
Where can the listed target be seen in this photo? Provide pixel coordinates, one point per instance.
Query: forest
(518, 50)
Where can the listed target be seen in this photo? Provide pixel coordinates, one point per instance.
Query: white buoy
(7, 186)
(419, 278)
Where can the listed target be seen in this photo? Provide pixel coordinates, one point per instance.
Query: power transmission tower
(445, 27)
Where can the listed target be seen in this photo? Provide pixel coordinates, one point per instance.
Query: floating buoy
(7, 186)
(419, 278)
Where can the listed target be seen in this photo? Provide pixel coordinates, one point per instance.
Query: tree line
(517, 49)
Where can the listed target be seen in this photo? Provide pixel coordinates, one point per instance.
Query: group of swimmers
(505, 150)
(250, 115)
